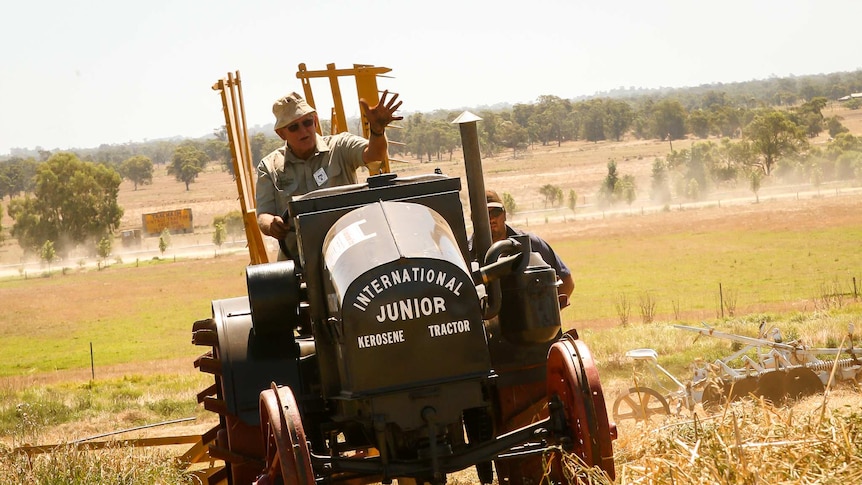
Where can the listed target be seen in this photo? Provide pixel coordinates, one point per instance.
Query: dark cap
(493, 199)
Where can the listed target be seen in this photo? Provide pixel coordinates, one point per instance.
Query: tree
(512, 136)
(593, 121)
(834, 126)
(755, 182)
(233, 223)
(726, 121)
(553, 195)
(698, 123)
(103, 249)
(17, 176)
(138, 169)
(219, 151)
(509, 203)
(668, 118)
(692, 190)
(261, 145)
(847, 165)
(164, 240)
(816, 176)
(48, 253)
(843, 142)
(660, 185)
(573, 199)
(618, 118)
(734, 157)
(74, 202)
(773, 135)
(626, 189)
(219, 235)
(188, 161)
(552, 114)
(607, 190)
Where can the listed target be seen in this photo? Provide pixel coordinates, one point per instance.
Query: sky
(78, 74)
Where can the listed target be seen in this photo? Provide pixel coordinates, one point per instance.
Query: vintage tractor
(383, 352)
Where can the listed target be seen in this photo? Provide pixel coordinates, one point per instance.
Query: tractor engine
(403, 321)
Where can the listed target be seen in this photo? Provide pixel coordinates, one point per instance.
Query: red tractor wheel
(572, 376)
(288, 459)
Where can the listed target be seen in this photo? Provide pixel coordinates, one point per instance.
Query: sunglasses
(295, 126)
(495, 212)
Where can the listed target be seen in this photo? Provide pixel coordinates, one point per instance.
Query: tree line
(747, 131)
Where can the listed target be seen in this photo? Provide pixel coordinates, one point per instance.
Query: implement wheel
(640, 404)
(288, 459)
(572, 376)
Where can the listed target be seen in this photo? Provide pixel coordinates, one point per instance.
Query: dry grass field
(578, 166)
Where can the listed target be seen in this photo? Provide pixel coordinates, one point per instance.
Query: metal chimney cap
(466, 117)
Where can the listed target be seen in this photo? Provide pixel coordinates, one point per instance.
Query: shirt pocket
(333, 171)
(287, 184)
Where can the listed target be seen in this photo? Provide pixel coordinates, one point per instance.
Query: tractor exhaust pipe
(466, 122)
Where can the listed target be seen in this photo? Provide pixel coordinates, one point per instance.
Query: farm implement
(764, 367)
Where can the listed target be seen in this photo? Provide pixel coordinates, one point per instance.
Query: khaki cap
(493, 199)
(288, 109)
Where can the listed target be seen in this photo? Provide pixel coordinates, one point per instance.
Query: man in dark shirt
(500, 230)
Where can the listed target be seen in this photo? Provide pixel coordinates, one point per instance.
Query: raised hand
(383, 113)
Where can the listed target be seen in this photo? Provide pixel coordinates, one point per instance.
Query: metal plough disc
(714, 394)
(573, 377)
(742, 388)
(640, 403)
(288, 457)
(802, 382)
(771, 386)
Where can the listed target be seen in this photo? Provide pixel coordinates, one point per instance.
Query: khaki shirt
(281, 175)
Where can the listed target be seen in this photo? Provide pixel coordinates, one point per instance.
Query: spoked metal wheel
(640, 404)
(288, 459)
(573, 377)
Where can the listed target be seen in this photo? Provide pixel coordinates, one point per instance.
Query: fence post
(721, 299)
(92, 365)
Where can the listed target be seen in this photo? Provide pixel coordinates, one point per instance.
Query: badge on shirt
(320, 177)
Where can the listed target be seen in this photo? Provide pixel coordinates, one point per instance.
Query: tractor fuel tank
(410, 314)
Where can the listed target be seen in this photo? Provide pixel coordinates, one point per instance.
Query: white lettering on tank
(406, 275)
(377, 339)
(411, 308)
(450, 328)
